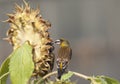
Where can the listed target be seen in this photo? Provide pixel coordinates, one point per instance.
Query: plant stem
(81, 75)
(4, 75)
(46, 76)
(55, 72)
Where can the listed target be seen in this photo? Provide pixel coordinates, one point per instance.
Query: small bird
(64, 56)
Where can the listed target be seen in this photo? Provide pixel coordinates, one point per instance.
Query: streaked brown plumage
(64, 56)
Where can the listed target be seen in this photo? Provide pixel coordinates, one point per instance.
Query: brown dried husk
(27, 25)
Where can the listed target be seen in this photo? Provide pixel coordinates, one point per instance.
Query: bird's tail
(60, 73)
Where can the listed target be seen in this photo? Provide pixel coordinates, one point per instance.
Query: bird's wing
(65, 53)
(70, 53)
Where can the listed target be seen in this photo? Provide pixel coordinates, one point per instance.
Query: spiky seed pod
(27, 25)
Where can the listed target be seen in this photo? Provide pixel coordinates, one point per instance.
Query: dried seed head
(27, 25)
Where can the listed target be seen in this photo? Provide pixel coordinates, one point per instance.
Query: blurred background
(91, 26)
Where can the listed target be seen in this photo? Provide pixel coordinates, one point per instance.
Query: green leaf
(110, 80)
(62, 82)
(3, 70)
(21, 64)
(97, 80)
(67, 76)
(103, 80)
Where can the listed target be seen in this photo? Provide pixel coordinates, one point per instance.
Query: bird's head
(62, 42)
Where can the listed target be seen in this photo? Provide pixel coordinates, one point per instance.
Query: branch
(81, 75)
(55, 72)
(4, 75)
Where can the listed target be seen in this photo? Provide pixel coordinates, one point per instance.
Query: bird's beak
(57, 41)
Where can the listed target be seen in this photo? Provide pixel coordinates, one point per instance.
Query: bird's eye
(57, 41)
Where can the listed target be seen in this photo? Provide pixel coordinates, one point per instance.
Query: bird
(63, 57)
